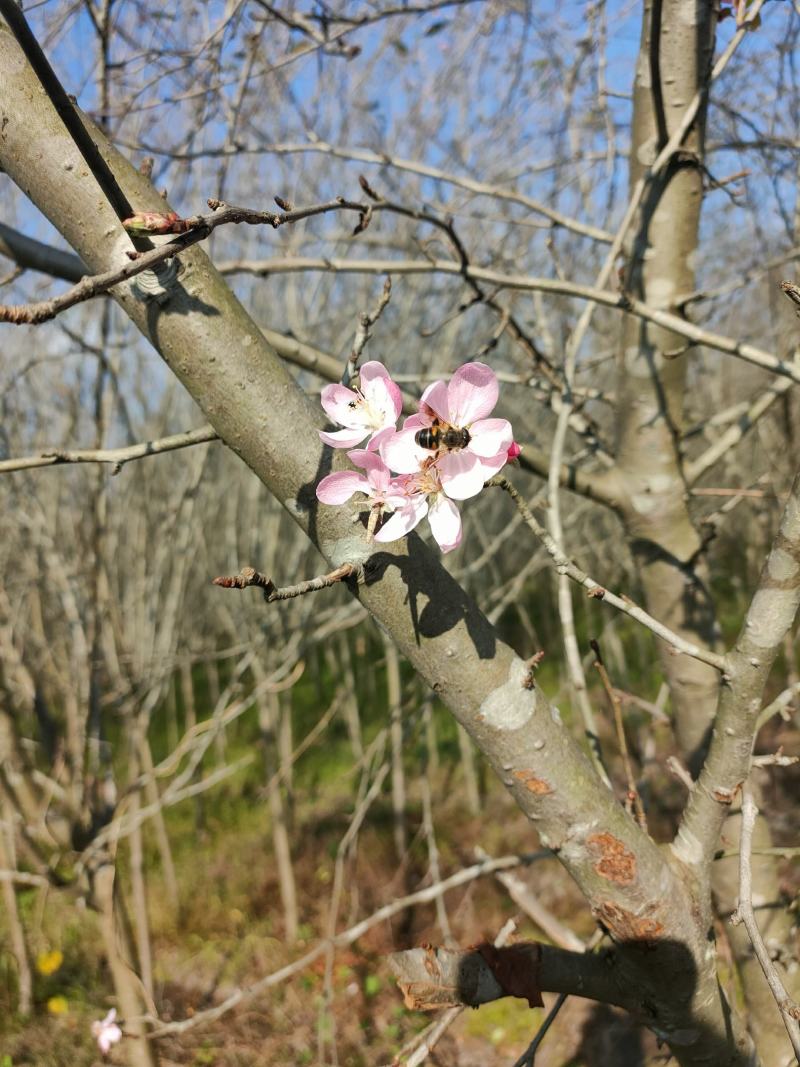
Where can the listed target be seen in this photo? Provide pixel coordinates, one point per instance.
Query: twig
(616, 709)
(24, 878)
(526, 899)
(598, 592)
(778, 706)
(677, 769)
(66, 109)
(789, 1009)
(191, 230)
(777, 759)
(529, 1055)
(248, 576)
(366, 320)
(118, 456)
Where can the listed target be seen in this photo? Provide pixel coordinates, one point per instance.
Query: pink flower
(364, 412)
(464, 404)
(513, 451)
(106, 1032)
(423, 495)
(378, 486)
(337, 488)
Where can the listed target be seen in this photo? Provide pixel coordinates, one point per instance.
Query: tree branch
(432, 978)
(770, 615)
(625, 604)
(790, 1011)
(117, 456)
(247, 577)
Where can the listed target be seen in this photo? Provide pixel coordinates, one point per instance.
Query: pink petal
(445, 523)
(336, 401)
(462, 474)
(380, 390)
(491, 466)
(402, 454)
(417, 421)
(342, 438)
(513, 450)
(378, 473)
(403, 521)
(338, 487)
(472, 393)
(379, 437)
(435, 397)
(490, 436)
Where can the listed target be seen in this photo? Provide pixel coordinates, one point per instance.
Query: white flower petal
(342, 405)
(381, 392)
(461, 475)
(490, 436)
(445, 522)
(403, 521)
(472, 393)
(402, 454)
(342, 438)
(493, 464)
(435, 398)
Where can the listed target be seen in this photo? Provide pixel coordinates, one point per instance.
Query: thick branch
(770, 615)
(528, 283)
(35, 255)
(433, 978)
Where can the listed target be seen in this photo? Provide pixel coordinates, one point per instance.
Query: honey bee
(441, 436)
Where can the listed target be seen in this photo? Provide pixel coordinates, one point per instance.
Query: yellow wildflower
(48, 963)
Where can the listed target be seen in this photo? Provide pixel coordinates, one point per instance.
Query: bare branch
(621, 301)
(248, 576)
(789, 1009)
(772, 611)
(116, 456)
(597, 591)
(366, 320)
(433, 978)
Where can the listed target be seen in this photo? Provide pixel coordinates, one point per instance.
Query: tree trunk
(665, 544)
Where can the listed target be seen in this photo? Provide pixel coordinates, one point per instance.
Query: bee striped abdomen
(441, 436)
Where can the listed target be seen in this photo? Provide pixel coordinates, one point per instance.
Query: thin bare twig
(366, 320)
(189, 231)
(529, 1055)
(116, 456)
(248, 576)
(616, 709)
(598, 592)
(789, 1009)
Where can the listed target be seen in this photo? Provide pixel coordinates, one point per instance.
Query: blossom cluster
(409, 474)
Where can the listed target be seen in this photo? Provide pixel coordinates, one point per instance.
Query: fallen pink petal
(106, 1032)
